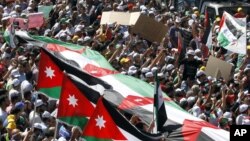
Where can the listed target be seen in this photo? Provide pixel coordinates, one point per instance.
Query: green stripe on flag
(96, 139)
(223, 41)
(98, 58)
(142, 88)
(52, 92)
(76, 121)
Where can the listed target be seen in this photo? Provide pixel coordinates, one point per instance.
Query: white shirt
(36, 118)
(3, 115)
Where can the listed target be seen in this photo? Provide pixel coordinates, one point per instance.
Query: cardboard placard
(35, 20)
(122, 18)
(45, 10)
(150, 29)
(218, 68)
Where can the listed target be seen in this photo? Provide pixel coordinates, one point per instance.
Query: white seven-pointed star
(49, 72)
(72, 100)
(100, 122)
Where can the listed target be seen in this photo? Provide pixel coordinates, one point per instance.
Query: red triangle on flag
(101, 125)
(50, 75)
(73, 102)
(98, 71)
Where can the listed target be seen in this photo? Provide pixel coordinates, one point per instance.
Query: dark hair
(15, 111)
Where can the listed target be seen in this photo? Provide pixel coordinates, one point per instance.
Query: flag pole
(56, 129)
(154, 110)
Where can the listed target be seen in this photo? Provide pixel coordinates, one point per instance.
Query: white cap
(15, 82)
(77, 30)
(170, 67)
(149, 74)
(13, 93)
(17, 6)
(38, 126)
(246, 121)
(132, 68)
(46, 114)
(21, 58)
(38, 103)
(124, 72)
(26, 86)
(197, 51)
(196, 110)
(171, 8)
(132, 72)
(191, 99)
(87, 38)
(190, 22)
(135, 55)
(160, 75)
(15, 73)
(190, 52)
(200, 73)
(154, 69)
(178, 20)
(168, 57)
(228, 115)
(145, 70)
(183, 99)
(243, 108)
(195, 8)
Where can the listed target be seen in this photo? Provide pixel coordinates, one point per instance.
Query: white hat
(160, 75)
(170, 67)
(183, 99)
(243, 108)
(177, 20)
(167, 58)
(29, 8)
(77, 30)
(21, 58)
(200, 73)
(195, 8)
(38, 103)
(135, 55)
(190, 52)
(149, 74)
(26, 86)
(145, 70)
(171, 8)
(132, 72)
(191, 99)
(46, 114)
(154, 69)
(246, 121)
(15, 73)
(15, 82)
(197, 51)
(13, 93)
(228, 115)
(151, 12)
(132, 68)
(38, 126)
(196, 110)
(87, 38)
(190, 22)
(17, 6)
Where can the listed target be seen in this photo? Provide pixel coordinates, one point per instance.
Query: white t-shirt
(3, 115)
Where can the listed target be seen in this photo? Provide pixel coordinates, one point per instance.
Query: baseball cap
(191, 52)
(38, 103)
(15, 73)
(200, 73)
(243, 108)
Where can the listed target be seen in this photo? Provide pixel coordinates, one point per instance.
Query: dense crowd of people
(182, 74)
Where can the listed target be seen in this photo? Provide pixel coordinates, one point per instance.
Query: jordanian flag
(51, 74)
(129, 87)
(107, 123)
(75, 107)
(232, 33)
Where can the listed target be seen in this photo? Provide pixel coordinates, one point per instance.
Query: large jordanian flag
(232, 33)
(138, 93)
